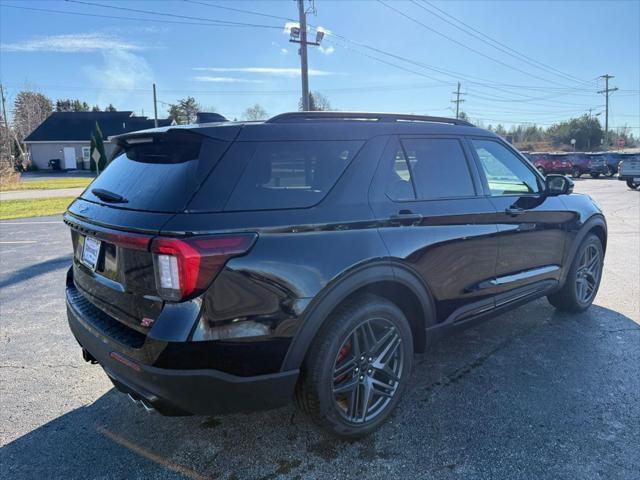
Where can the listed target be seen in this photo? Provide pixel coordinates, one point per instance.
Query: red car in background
(551, 162)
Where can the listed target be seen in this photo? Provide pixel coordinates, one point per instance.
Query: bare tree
(30, 109)
(317, 103)
(255, 113)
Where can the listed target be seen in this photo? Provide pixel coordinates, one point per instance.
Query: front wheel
(582, 282)
(575, 173)
(357, 367)
(632, 185)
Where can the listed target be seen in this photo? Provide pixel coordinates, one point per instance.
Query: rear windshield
(158, 174)
(274, 175)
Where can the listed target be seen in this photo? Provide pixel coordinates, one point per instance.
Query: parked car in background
(629, 170)
(550, 162)
(612, 161)
(590, 163)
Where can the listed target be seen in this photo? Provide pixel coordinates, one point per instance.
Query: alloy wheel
(588, 274)
(367, 370)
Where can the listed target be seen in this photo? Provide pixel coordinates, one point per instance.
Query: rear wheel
(575, 173)
(357, 367)
(583, 280)
(633, 185)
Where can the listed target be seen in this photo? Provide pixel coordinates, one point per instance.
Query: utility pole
(155, 107)
(606, 92)
(304, 66)
(299, 35)
(457, 101)
(6, 123)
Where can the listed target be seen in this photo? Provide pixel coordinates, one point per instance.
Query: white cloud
(71, 43)
(277, 71)
(225, 79)
(284, 51)
(326, 51)
(120, 77)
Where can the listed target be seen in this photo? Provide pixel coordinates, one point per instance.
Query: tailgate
(117, 274)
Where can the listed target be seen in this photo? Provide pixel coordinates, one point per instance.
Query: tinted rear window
(294, 174)
(439, 168)
(161, 173)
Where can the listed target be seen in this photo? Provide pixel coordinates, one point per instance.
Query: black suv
(233, 266)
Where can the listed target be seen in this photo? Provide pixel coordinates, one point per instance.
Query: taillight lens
(185, 267)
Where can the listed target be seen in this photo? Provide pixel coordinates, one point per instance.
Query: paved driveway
(530, 394)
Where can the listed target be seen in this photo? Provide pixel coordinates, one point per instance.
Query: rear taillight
(185, 267)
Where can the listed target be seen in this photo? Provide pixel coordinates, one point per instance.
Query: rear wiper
(108, 196)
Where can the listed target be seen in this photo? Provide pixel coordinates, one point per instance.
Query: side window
(399, 186)
(293, 174)
(506, 173)
(438, 167)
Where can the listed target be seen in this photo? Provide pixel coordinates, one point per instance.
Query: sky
(517, 61)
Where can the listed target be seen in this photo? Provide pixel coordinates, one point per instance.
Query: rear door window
(160, 173)
(438, 168)
(293, 174)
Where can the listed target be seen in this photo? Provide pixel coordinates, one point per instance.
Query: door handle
(514, 211)
(405, 218)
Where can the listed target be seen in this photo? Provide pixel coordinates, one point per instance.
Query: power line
(498, 45)
(173, 15)
(478, 52)
(135, 19)
(240, 10)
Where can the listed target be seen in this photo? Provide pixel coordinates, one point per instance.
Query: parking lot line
(30, 223)
(187, 472)
(18, 242)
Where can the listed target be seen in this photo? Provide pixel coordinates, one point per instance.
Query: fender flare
(594, 221)
(339, 289)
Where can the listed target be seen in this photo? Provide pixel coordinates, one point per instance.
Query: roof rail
(295, 117)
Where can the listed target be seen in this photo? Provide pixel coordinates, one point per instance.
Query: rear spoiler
(220, 131)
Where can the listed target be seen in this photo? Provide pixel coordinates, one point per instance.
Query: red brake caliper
(344, 351)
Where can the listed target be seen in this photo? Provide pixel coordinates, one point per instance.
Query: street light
(294, 36)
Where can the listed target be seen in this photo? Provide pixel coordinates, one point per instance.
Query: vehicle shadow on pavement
(531, 394)
(35, 269)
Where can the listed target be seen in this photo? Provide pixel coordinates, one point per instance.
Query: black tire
(632, 185)
(335, 362)
(576, 173)
(570, 297)
(595, 175)
(610, 172)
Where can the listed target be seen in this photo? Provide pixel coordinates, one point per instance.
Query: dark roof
(78, 126)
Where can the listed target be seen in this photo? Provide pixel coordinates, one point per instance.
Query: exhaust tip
(141, 402)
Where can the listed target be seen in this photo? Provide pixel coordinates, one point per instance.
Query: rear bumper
(180, 392)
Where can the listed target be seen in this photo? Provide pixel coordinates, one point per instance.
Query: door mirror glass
(558, 185)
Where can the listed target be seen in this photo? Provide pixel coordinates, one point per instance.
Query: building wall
(41, 153)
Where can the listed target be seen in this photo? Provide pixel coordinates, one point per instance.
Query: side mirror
(558, 185)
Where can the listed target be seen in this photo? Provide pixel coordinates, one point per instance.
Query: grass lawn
(48, 184)
(33, 207)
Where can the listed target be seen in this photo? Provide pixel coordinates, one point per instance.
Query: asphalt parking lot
(530, 394)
